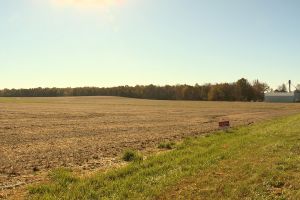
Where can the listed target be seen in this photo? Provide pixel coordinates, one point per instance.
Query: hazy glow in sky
(86, 3)
(61, 43)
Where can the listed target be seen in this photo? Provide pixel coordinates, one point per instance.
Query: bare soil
(90, 133)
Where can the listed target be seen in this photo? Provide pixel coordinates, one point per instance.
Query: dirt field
(88, 133)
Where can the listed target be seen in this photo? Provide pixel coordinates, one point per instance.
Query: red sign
(224, 124)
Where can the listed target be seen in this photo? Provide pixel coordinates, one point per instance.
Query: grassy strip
(150, 178)
(269, 168)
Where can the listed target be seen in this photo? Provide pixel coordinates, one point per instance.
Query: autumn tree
(241, 90)
(281, 88)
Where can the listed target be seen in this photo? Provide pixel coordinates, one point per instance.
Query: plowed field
(89, 133)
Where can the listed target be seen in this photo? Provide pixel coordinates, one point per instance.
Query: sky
(103, 43)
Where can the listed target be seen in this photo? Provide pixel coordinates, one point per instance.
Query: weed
(167, 145)
(130, 155)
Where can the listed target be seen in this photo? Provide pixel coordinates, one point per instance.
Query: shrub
(130, 155)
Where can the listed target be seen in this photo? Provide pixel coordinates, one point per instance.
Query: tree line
(241, 90)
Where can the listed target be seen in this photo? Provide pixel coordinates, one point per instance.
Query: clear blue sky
(60, 43)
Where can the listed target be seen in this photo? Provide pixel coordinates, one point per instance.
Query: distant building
(297, 96)
(282, 97)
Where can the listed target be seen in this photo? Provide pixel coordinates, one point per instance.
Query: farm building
(297, 96)
(282, 97)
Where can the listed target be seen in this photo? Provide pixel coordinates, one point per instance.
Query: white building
(282, 97)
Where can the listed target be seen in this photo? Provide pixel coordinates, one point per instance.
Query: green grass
(255, 162)
(167, 145)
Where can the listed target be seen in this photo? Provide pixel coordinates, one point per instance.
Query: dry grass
(38, 134)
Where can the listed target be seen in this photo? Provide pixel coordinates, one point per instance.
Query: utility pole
(290, 83)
